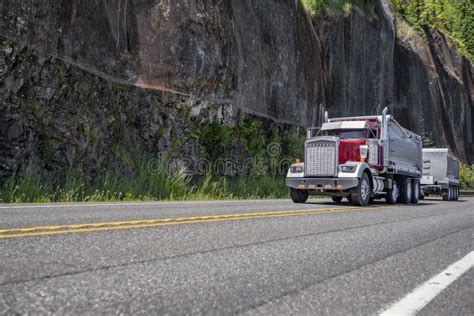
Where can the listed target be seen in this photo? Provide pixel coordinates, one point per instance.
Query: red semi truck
(359, 158)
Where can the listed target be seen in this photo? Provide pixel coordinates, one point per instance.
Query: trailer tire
(392, 194)
(415, 196)
(422, 196)
(406, 191)
(445, 194)
(450, 193)
(457, 193)
(454, 193)
(336, 199)
(361, 195)
(299, 196)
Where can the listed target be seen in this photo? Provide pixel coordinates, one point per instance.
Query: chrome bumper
(322, 184)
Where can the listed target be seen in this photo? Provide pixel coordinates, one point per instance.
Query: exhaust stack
(383, 138)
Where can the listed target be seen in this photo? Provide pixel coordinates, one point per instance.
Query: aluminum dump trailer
(405, 150)
(440, 174)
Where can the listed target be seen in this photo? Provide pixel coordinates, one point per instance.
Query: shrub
(466, 176)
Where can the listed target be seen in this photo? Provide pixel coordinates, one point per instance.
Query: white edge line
(423, 294)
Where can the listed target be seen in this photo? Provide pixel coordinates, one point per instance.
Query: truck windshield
(347, 134)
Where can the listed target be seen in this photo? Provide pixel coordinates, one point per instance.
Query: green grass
(132, 175)
(35, 185)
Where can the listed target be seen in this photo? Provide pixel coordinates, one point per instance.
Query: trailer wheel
(450, 193)
(422, 195)
(336, 199)
(457, 193)
(454, 194)
(416, 191)
(393, 193)
(299, 196)
(361, 195)
(406, 191)
(445, 194)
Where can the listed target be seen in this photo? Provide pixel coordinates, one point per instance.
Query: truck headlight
(348, 168)
(296, 169)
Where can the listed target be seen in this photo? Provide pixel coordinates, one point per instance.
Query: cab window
(347, 134)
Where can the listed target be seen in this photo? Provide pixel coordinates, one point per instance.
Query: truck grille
(321, 158)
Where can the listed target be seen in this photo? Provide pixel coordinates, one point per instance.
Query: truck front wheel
(299, 196)
(361, 194)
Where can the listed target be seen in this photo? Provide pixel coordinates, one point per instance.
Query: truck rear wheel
(361, 195)
(392, 194)
(299, 196)
(415, 196)
(406, 191)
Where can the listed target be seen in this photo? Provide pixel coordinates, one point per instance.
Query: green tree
(456, 18)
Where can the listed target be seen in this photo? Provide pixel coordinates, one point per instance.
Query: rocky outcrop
(260, 55)
(434, 91)
(376, 60)
(71, 70)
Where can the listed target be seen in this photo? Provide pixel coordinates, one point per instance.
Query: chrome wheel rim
(395, 192)
(364, 189)
(417, 191)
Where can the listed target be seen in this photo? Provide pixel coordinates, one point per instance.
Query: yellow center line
(171, 219)
(104, 226)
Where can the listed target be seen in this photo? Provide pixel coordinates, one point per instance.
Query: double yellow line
(103, 226)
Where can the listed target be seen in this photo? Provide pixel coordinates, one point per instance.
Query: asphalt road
(228, 257)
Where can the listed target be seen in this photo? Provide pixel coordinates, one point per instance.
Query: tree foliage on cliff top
(456, 18)
(338, 7)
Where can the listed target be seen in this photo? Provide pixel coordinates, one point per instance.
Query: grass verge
(36, 185)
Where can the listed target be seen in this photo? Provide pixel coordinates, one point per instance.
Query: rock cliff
(75, 75)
